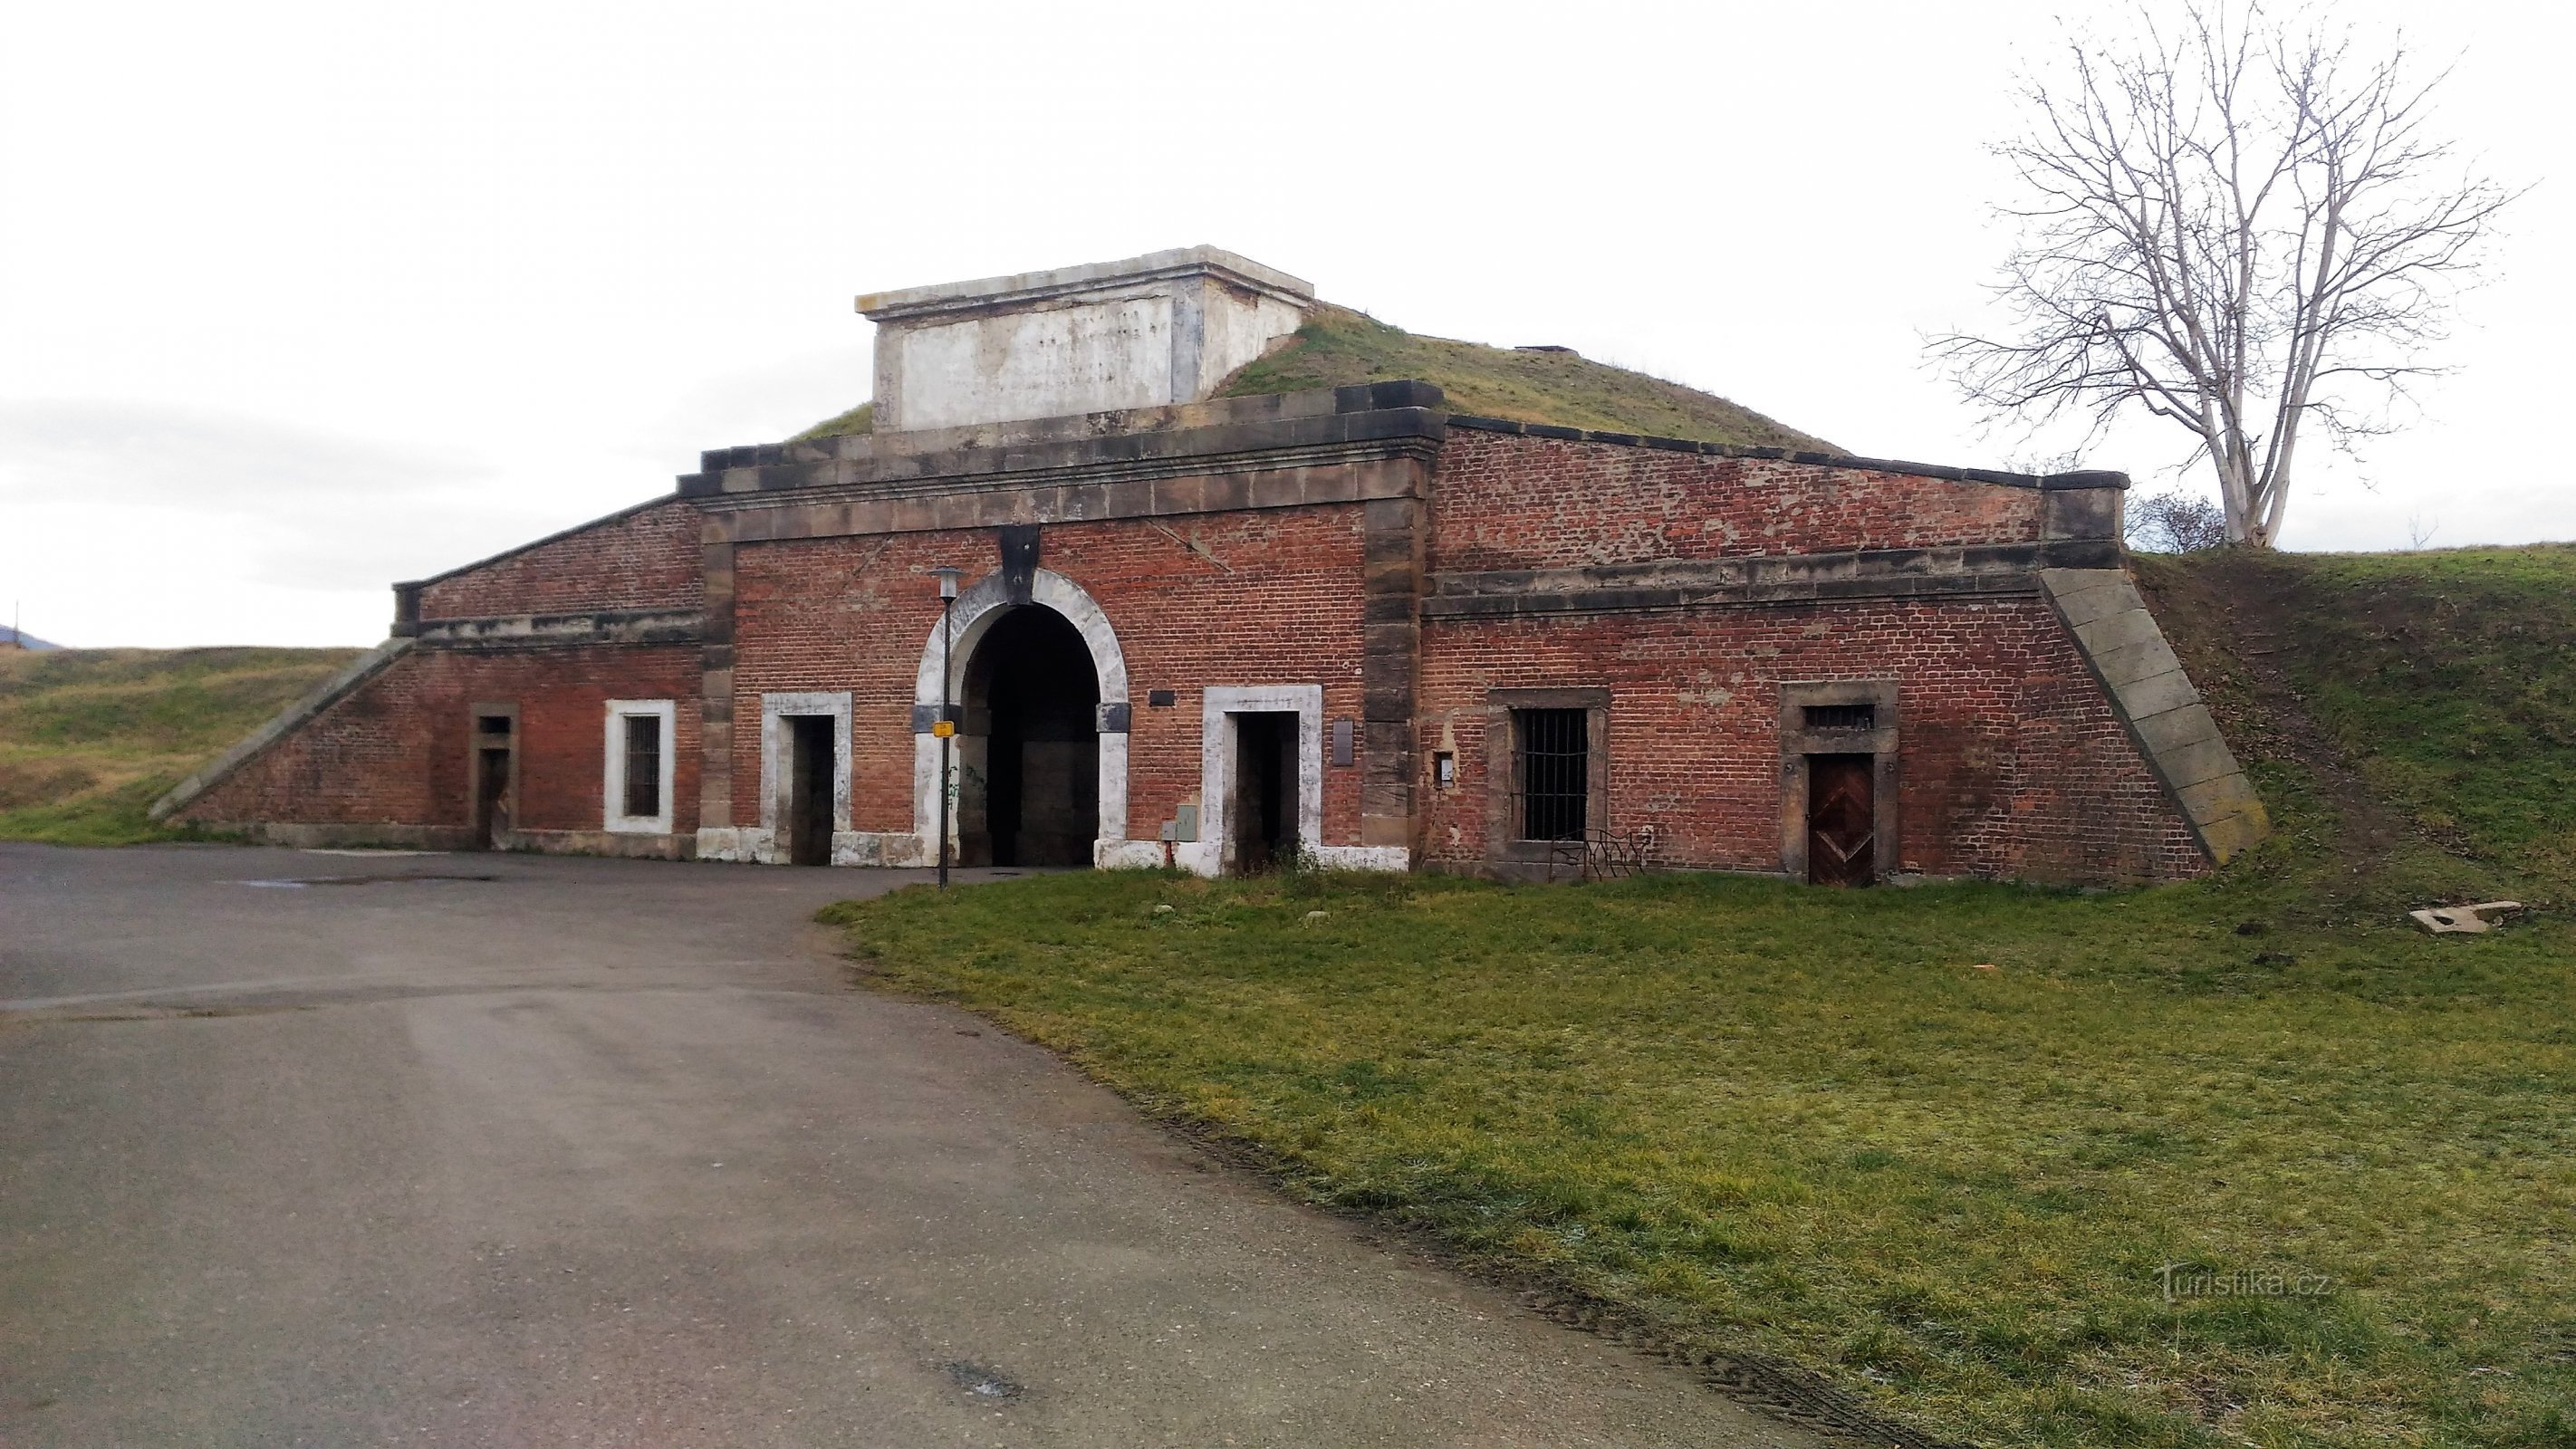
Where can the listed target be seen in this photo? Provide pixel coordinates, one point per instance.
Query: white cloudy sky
(299, 299)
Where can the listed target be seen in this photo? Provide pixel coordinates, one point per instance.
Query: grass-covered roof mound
(860, 419)
(1338, 347)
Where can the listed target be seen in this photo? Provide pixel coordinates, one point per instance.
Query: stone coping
(324, 695)
(1022, 289)
(871, 448)
(2087, 478)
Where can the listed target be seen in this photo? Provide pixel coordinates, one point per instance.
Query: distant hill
(26, 641)
(1338, 347)
(90, 737)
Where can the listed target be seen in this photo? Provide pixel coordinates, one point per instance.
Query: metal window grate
(643, 765)
(1555, 749)
(1842, 716)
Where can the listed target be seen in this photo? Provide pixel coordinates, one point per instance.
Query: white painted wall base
(741, 845)
(1127, 854)
(882, 848)
(864, 848)
(898, 850)
(1206, 857)
(1363, 857)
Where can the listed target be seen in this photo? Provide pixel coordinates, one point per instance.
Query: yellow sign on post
(944, 728)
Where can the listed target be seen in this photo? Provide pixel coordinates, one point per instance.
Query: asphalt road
(582, 1152)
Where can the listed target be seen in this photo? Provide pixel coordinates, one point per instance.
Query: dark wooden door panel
(1841, 816)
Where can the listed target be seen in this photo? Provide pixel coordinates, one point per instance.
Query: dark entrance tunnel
(1032, 707)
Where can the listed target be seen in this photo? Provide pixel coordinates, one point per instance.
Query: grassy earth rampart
(89, 738)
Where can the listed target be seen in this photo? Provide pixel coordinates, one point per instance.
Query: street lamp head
(948, 577)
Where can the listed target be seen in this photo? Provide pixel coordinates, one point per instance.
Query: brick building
(1211, 630)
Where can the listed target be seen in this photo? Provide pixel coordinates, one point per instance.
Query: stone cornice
(1297, 478)
(539, 631)
(2080, 480)
(1024, 289)
(1298, 450)
(1968, 571)
(324, 695)
(1336, 426)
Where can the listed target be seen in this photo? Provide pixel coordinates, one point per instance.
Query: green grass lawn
(1760, 1118)
(89, 738)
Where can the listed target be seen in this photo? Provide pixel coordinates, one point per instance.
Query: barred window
(1842, 717)
(1555, 767)
(643, 765)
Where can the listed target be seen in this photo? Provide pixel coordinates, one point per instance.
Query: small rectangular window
(643, 765)
(1842, 716)
(1554, 750)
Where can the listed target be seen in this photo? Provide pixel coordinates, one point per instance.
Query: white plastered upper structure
(1162, 328)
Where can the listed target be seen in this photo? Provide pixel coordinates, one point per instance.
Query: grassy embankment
(89, 738)
(1338, 347)
(1760, 1119)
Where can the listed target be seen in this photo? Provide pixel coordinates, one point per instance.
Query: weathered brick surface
(643, 559)
(2010, 757)
(1273, 599)
(1504, 501)
(2011, 762)
(393, 752)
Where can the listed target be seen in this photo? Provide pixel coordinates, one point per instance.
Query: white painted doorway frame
(977, 609)
(774, 782)
(1217, 750)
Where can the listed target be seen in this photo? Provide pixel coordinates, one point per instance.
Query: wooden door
(1841, 820)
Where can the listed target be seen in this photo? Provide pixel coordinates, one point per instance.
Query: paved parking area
(322, 1149)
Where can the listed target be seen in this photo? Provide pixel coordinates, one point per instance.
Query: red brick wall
(1278, 604)
(645, 559)
(2012, 763)
(1507, 501)
(2010, 759)
(394, 750)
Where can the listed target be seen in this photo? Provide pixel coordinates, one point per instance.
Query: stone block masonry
(2146, 688)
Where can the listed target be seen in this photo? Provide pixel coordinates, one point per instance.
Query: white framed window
(635, 789)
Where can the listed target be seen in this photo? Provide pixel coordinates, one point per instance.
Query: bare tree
(2176, 521)
(2241, 227)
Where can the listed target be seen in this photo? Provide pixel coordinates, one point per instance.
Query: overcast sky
(302, 299)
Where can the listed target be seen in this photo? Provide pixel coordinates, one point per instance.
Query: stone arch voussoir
(978, 607)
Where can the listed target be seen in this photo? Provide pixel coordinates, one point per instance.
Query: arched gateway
(1040, 689)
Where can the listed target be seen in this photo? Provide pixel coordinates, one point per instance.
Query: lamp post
(944, 728)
